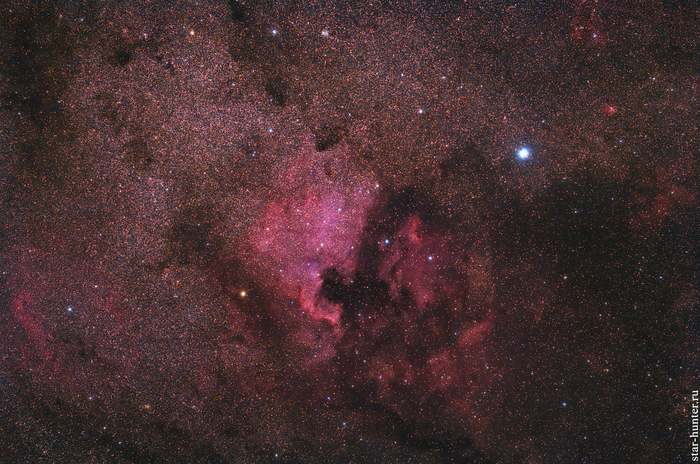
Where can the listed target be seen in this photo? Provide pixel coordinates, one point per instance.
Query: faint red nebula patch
(421, 263)
(26, 288)
(667, 196)
(588, 25)
(475, 334)
(24, 312)
(608, 110)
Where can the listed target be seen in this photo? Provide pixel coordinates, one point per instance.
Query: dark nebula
(348, 232)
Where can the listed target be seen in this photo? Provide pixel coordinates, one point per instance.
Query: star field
(283, 232)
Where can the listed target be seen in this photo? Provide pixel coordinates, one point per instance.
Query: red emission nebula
(348, 232)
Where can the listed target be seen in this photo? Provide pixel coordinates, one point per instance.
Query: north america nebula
(348, 232)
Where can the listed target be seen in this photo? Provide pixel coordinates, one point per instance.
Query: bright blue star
(523, 153)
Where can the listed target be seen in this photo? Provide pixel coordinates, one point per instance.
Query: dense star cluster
(348, 232)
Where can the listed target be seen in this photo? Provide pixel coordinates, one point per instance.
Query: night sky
(348, 232)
